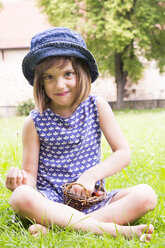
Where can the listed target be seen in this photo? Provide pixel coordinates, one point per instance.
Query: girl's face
(60, 86)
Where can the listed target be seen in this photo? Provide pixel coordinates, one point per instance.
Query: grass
(145, 132)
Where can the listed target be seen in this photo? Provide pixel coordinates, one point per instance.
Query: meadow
(145, 132)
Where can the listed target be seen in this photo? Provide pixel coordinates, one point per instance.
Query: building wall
(151, 86)
(14, 88)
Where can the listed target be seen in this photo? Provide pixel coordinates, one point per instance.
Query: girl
(61, 143)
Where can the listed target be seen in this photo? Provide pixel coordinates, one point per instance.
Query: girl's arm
(31, 146)
(120, 157)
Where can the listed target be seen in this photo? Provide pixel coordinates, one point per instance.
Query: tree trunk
(121, 79)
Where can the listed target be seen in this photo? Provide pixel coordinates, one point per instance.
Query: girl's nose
(60, 83)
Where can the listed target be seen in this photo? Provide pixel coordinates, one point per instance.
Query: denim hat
(59, 41)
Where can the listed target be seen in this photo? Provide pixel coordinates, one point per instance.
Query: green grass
(145, 132)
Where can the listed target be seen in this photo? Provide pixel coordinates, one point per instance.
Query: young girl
(61, 143)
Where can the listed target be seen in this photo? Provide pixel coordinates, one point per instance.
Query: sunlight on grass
(10, 145)
(145, 132)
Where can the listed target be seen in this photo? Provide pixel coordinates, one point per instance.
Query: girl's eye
(69, 74)
(48, 77)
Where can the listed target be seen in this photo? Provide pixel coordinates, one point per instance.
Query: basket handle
(101, 184)
(74, 183)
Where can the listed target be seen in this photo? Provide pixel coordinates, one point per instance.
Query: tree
(118, 32)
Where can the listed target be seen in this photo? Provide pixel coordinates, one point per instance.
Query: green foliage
(1, 5)
(123, 26)
(25, 107)
(60, 13)
(146, 139)
(133, 65)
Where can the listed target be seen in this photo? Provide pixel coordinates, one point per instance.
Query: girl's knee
(22, 198)
(147, 196)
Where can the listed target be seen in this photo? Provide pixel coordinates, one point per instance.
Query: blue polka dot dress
(68, 147)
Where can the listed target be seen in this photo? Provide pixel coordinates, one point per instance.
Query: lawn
(145, 132)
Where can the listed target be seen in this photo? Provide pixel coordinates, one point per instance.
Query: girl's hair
(83, 80)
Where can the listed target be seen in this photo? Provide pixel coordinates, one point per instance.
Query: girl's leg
(128, 205)
(29, 203)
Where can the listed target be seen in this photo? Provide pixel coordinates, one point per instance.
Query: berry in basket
(98, 193)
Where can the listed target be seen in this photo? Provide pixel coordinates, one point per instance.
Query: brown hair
(83, 80)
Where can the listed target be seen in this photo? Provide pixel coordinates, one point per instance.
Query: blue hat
(59, 41)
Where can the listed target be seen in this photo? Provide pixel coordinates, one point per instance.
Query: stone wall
(8, 111)
(141, 104)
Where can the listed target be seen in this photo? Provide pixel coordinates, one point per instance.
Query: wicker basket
(79, 202)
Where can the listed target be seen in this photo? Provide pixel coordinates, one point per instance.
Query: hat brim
(39, 53)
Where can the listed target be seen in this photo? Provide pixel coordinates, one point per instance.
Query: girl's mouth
(62, 93)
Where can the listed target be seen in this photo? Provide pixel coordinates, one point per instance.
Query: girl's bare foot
(144, 232)
(37, 229)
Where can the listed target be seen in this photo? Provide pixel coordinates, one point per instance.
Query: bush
(25, 107)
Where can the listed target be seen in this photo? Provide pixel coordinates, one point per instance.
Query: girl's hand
(15, 178)
(88, 183)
